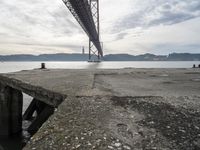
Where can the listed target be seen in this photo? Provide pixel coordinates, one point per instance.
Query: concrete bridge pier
(11, 103)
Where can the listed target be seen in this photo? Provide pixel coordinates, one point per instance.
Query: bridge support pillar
(11, 103)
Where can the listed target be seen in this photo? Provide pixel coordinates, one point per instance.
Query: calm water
(17, 66)
(5, 67)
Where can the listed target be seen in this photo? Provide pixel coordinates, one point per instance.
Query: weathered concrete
(115, 109)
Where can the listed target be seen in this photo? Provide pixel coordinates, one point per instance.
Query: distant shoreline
(110, 57)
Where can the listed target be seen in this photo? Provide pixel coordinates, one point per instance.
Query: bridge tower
(93, 52)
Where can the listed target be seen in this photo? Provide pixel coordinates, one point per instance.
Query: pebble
(151, 122)
(77, 146)
(98, 141)
(182, 130)
(90, 133)
(126, 147)
(117, 144)
(110, 147)
(89, 143)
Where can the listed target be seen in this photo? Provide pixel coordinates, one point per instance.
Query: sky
(127, 26)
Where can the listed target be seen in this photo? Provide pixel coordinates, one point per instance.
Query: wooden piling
(11, 102)
(16, 111)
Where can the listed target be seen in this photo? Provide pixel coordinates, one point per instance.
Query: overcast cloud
(127, 26)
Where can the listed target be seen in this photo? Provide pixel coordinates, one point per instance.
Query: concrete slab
(115, 109)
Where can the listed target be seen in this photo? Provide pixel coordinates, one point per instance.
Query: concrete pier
(113, 109)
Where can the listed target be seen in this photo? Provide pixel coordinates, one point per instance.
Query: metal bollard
(194, 66)
(43, 66)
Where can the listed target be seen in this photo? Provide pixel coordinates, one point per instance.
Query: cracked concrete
(116, 109)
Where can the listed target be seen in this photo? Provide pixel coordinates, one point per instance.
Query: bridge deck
(110, 109)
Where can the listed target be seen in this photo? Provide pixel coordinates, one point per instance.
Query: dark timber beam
(11, 103)
(43, 112)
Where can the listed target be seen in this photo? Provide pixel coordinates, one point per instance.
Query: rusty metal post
(43, 66)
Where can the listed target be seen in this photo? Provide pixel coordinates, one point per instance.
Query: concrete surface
(115, 109)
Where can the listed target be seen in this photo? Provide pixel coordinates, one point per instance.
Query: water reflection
(94, 65)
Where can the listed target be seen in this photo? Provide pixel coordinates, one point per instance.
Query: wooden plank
(41, 118)
(28, 115)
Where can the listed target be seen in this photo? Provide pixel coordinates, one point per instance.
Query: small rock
(197, 143)
(117, 144)
(151, 122)
(77, 146)
(98, 141)
(110, 147)
(181, 130)
(126, 147)
(89, 143)
(90, 133)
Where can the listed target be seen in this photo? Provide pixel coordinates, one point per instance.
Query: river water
(17, 66)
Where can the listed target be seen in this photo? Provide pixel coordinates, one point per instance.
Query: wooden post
(4, 111)
(11, 102)
(16, 111)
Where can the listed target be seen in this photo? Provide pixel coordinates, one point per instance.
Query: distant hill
(45, 57)
(184, 57)
(110, 57)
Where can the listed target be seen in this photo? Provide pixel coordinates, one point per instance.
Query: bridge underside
(87, 14)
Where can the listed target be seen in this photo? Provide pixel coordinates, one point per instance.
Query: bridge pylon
(94, 54)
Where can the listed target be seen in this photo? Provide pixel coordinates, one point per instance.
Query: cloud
(127, 26)
(38, 22)
(158, 12)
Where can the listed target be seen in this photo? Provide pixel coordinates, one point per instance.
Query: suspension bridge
(86, 12)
